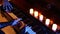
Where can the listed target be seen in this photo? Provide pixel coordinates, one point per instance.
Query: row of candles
(39, 16)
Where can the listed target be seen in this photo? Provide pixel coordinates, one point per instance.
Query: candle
(54, 27)
(41, 17)
(31, 11)
(36, 14)
(47, 22)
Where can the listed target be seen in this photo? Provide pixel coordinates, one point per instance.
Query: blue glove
(7, 6)
(16, 21)
(29, 30)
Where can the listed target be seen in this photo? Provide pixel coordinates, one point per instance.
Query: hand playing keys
(7, 6)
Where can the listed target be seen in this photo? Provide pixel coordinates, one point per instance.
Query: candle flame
(31, 11)
(54, 27)
(40, 17)
(47, 22)
(36, 14)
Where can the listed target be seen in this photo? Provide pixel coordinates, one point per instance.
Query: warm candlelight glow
(31, 11)
(51, 22)
(9, 0)
(0, 4)
(47, 22)
(41, 17)
(36, 14)
(54, 27)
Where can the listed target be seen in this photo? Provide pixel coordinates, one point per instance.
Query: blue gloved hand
(7, 6)
(29, 30)
(16, 21)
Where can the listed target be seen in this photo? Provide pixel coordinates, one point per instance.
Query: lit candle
(47, 22)
(36, 14)
(41, 17)
(31, 11)
(54, 27)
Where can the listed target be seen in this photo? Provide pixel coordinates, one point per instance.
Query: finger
(9, 8)
(6, 9)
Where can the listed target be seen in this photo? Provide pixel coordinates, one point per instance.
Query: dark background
(49, 8)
